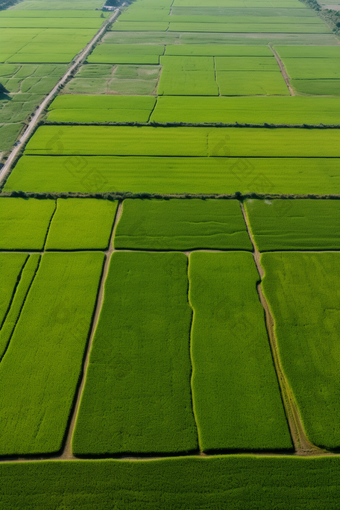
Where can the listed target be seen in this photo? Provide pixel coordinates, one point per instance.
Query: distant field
(294, 224)
(307, 335)
(245, 481)
(184, 141)
(137, 393)
(139, 27)
(252, 110)
(81, 224)
(236, 394)
(83, 5)
(49, 13)
(312, 68)
(39, 378)
(24, 223)
(126, 54)
(262, 83)
(91, 108)
(246, 64)
(181, 225)
(307, 28)
(43, 22)
(217, 49)
(176, 175)
(190, 83)
(308, 52)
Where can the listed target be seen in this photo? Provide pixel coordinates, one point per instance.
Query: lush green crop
(184, 141)
(24, 223)
(308, 51)
(39, 22)
(317, 87)
(101, 58)
(8, 135)
(101, 108)
(176, 175)
(262, 83)
(81, 224)
(312, 68)
(137, 392)
(251, 110)
(48, 13)
(26, 277)
(190, 83)
(187, 63)
(182, 225)
(303, 28)
(246, 64)
(236, 395)
(231, 481)
(303, 292)
(41, 369)
(217, 49)
(11, 265)
(59, 5)
(294, 224)
(124, 26)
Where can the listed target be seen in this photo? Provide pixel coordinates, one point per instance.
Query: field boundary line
(191, 355)
(67, 450)
(22, 306)
(301, 443)
(49, 224)
(33, 124)
(15, 289)
(215, 74)
(283, 70)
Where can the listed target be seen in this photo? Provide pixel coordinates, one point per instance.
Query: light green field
(59, 5)
(39, 22)
(72, 108)
(140, 27)
(251, 12)
(245, 481)
(11, 265)
(312, 68)
(137, 392)
(307, 335)
(81, 224)
(262, 83)
(107, 57)
(291, 4)
(308, 51)
(236, 395)
(49, 13)
(184, 141)
(251, 110)
(307, 28)
(24, 223)
(182, 225)
(217, 49)
(190, 83)
(187, 63)
(294, 224)
(317, 87)
(8, 135)
(145, 15)
(246, 64)
(39, 377)
(177, 175)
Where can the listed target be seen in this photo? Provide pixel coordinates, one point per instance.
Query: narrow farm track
(283, 70)
(67, 453)
(49, 98)
(301, 443)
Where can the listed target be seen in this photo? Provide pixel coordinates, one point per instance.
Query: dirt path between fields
(49, 98)
(67, 453)
(283, 71)
(301, 443)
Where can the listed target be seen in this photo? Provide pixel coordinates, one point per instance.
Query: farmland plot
(176, 175)
(126, 54)
(137, 392)
(262, 83)
(243, 481)
(81, 224)
(307, 335)
(236, 394)
(40, 371)
(213, 50)
(24, 223)
(294, 224)
(11, 267)
(182, 225)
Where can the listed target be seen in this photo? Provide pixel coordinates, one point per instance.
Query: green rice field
(169, 253)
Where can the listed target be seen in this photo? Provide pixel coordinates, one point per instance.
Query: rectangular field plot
(88, 108)
(176, 175)
(184, 141)
(126, 54)
(190, 83)
(75, 23)
(23, 283)
(268, 28)
(124, 26)
(41, 369)
(236, 394)
(258, 83)
(182, 225)
(312, 68)
(317, 87)
(230, 481)
(247, 110)
(294, 224)
(120, 79)
(24, 223)
(81, 224)
(246, 64)
(137, 393)
(303, 293)
(11, 265)
(214, 50)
